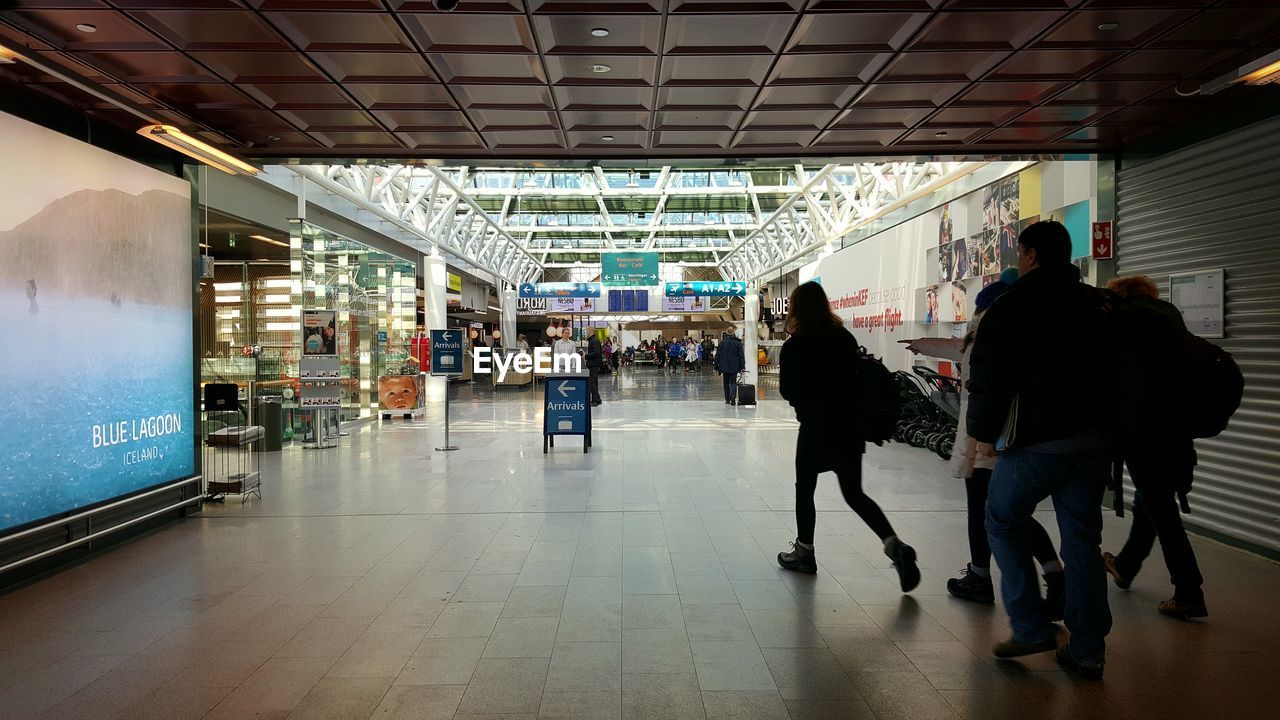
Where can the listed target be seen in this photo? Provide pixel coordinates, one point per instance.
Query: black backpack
(1168, 381)
(1215, 387)
(876, 399)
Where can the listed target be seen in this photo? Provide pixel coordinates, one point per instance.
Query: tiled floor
(382, 579)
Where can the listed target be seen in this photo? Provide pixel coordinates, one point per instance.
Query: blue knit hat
(993, 291)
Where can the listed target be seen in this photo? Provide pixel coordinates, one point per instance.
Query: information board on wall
(1199, 296)
(96, 264)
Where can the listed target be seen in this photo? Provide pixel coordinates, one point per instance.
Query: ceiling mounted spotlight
(600, 32)
(273, 138)
(87, 28)
(599, 68)
(1109, 26)
(940, 134)
(607, 138)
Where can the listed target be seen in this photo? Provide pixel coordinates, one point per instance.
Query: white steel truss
(829, 204)
(515, 223)
(430, 204)
(669, 209)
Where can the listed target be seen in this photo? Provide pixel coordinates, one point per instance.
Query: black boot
(800, 559)
(904, 561)
(972, 586)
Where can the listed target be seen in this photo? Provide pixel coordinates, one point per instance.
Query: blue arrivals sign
(731, 288)
(629, 268)
(560, 290)
(446, 352)
(566, 409)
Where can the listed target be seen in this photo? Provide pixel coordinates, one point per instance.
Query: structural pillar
(507, 324)
(751, 333)
(435, 282)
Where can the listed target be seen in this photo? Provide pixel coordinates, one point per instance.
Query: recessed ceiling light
(940, 133)
(273, 138)
(607, 138)
(599, 68)
(87, 28)
(1109, 26)
(600, 32)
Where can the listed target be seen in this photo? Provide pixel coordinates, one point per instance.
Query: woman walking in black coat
(816, 377)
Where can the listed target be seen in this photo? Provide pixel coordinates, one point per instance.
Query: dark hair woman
(816, 377)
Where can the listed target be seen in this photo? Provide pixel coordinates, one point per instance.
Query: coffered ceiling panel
(564, 79)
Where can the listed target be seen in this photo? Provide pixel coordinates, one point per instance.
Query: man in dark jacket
(1038, 394)
(730, 360)
(1161, 455)
(594, 358)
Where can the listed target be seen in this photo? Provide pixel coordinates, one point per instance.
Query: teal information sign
(629, 268)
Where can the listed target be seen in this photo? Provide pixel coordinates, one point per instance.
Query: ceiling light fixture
(1262, 71)
(600, 32)
(940, 134)
(1109, 26)
(266, 239)
(599, 68)
(87, 28)
(175, 139)
(607, 138)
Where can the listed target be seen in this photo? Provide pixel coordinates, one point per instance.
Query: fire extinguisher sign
(1101, 242)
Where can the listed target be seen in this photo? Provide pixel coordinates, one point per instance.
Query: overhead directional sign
(732, 288)
(629, 268)
(560, 290)
(446, 352)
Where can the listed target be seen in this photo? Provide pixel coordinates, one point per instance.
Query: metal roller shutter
(1213, 205)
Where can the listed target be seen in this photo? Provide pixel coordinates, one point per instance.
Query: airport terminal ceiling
(508, 80)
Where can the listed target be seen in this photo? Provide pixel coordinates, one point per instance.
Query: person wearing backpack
(1161, 458)
(818, 375)
(1039, 391)
(974, 582)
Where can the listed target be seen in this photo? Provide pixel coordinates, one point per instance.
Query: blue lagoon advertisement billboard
(95, 293)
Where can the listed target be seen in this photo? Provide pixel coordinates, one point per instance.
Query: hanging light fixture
(174, 139)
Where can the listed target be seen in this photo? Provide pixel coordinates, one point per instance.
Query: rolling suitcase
(746, 394)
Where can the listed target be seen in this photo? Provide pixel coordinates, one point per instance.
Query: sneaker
(904, 561)
(1055, 595)
(800, 559)
(1085, 670)
(1183, 609)
(1109, 562)
(972, 586)
(1013, 648)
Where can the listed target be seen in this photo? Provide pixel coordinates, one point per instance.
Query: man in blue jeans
(1038, 394)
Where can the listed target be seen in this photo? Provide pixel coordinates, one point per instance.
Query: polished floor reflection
(383, 579)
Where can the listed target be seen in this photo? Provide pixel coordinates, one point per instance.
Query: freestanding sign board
(446, 360)
(446, 352)
(566, 409)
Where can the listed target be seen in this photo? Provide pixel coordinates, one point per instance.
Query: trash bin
(271, 418)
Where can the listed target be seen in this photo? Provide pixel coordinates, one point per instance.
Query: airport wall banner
(870, 287)
(97, 372)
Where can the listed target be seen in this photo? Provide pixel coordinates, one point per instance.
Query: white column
(435, 282)
(751, 333)
(507, 325)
